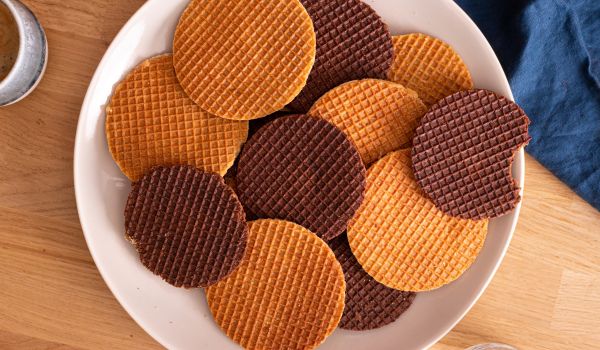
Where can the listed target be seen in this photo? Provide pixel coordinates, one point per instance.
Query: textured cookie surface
(378, 116)
(244, 59)
(400, 237)
(256, 124)
(150, 121)
(304, 170)
(429, 66)
(463, 152)
(369, 304)
(352, 43)
(187, 225)
(288, 292)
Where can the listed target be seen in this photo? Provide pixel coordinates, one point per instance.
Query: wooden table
(546, 295)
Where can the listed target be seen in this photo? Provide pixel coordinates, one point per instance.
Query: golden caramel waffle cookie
(369, 304)
(352, 43)
(244, 59)
(429, 66)
(305, 170)
(150, 121)
(463, 152)
(288, 292)
(400, 237)
(378, 116)
(187, 225)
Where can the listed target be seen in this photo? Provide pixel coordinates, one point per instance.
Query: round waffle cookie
(429, 66)
(378, 116)
(369, 304)
(400, 237)
(352, 43)
(150, 121)
(187, 225)
(463, 152)
(304, 170)
(288, 292)
(244, 59)
(256, 124)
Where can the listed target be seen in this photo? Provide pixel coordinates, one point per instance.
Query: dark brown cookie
(305, 170)
(352, 43)
(187, 225)
(253, 127)
(256, 124)
(232, 182)
(463, 152)
(369, 304)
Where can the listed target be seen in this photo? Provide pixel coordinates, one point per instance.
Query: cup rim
(20, 55)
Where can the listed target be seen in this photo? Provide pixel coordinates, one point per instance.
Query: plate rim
(519, 177)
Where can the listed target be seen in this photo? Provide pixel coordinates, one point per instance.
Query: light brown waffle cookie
(288, 292)
(379, 116)
(400, 237)
(150, 121)
(244, 59)
(429, 66)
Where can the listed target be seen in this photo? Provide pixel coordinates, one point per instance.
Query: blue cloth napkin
(550, 50)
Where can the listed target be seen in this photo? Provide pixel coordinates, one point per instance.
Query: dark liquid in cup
(9, 41)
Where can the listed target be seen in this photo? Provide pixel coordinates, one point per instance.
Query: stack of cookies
(308, 169)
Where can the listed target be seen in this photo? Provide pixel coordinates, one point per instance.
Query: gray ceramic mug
(31, 57)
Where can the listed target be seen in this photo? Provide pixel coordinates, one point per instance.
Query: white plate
(180, 319)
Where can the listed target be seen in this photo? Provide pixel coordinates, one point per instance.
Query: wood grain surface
(546, 295)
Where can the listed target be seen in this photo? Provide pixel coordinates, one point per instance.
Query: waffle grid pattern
(150, 121)
(187, 225)
(429, 66)
(304, 170)
(352, 43)
(463, 152)
(244, 59)
(369, 304)
(378, 116)
(288, 292)
(400, 237)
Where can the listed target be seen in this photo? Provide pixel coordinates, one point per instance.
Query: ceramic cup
(25, 65)
(492, 346)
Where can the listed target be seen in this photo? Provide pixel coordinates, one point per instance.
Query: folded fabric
(550, 50)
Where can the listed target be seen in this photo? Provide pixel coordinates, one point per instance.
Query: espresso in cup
(9, 41)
